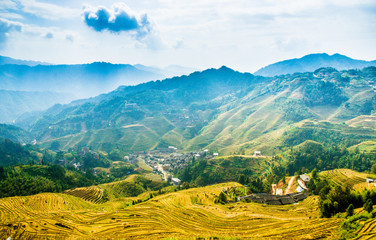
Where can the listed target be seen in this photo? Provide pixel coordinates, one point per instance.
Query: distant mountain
(311, 62)
(220, 109)
(8, 60)
(15, 103)
(82, 80)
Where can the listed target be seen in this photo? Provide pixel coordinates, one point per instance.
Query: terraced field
(368, 231)
(343, 177)
(179, 215)
(91, 194)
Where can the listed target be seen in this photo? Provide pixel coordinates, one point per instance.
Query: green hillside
(220, 109)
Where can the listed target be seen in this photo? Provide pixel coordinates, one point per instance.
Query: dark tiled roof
(276, 199)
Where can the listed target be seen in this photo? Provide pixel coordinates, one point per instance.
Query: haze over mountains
(311, 62)
(51, 84)
(218, 108)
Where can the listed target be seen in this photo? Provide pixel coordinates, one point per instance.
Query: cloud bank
(117, 19)
(6, 27)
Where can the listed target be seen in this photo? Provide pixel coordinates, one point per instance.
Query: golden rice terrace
(187, 214)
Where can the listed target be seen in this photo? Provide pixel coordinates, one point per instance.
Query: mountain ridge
(311, 62)
(220, 109)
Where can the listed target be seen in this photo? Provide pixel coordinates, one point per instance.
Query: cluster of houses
(302, 181)
(168, 158)
(271, 199)
(165, 160)
(277, 197)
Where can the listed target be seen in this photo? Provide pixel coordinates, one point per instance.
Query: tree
(185, 185)
(115, 155)
(222, 198)
(373, 169)
(324, 192)
(314, 174)
(242, 179)
(2, 173)
(350, 210)
(368, 206)
(326, 208)
(55, 145)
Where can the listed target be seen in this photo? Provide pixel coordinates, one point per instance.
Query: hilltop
(311, 62)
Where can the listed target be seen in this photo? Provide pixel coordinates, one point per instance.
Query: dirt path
(289, 186)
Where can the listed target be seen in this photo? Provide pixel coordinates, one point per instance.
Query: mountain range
(220, 109)
(33, 86)
(311, 62)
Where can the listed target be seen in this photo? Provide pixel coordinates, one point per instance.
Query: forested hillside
(220, 109)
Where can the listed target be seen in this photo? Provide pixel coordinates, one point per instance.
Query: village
(164, 161)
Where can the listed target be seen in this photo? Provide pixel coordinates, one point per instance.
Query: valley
(216, 154)
(187, 120)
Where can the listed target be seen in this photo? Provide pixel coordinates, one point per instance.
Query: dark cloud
(118, 18)
(6, 27)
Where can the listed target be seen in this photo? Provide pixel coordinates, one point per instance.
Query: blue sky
(243, 34)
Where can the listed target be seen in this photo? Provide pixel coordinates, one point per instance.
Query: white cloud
(47, 10)
(6, 27)
(245, 34)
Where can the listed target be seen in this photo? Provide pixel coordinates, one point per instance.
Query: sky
(242, 34)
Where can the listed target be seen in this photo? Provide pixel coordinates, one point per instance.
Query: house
(305, 178)
(286, 200)
(257, 154)
(173, 148)
(176, 181)
(275, 199)
(77, 165)
(299, 189)
(302, 184)
(279, 191)
(370, 180)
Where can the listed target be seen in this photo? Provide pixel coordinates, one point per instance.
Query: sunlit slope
(345, 177)
(135, 137)
(220, 109)
(251, 119)
(181, 215)
(92, 194)
(367, 231)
